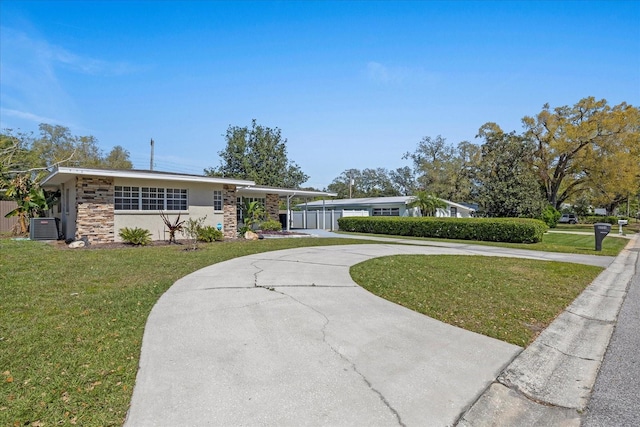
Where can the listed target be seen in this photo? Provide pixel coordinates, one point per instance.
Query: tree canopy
(445, 170)
(259, 154)
(508, 186)
(374, 182)
(589, 146)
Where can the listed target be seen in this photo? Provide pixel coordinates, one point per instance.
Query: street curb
(550, 382)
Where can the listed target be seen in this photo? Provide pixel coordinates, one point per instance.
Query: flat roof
(62, 174)
(263, 189)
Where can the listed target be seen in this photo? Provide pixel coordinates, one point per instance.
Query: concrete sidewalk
(286, 338)
(551, 381)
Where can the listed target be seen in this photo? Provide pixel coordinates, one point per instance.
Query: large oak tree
(587, 147)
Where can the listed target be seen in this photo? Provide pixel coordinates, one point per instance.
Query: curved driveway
(286, 338)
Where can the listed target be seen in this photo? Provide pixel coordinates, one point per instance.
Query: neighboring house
(386, 206)
(97, 203)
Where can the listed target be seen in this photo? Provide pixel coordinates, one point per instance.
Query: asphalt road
(616, 396)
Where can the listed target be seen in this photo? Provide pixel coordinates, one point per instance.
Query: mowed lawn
(71, 321)
(509, 299)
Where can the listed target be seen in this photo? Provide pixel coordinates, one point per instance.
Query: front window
(127, 198)
(386, 212)
(150, 198)
(217, 200)
(176, 199)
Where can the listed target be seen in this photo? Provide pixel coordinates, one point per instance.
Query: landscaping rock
(250, 235)
(77, 244)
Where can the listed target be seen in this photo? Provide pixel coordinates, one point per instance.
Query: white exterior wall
(199, 205)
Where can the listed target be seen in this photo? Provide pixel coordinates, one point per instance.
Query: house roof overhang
(63, 174)
(283, 192)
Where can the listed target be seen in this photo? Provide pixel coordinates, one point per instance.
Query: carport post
(289, 211)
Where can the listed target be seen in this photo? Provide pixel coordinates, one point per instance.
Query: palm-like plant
(427, 202)
(30, 198)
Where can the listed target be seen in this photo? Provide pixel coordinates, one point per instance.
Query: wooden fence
(7, 224)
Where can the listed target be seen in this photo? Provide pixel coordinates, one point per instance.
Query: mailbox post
(601, 229)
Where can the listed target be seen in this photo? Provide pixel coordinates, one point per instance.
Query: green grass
(71, 323)
(551, 242)
(508, 299)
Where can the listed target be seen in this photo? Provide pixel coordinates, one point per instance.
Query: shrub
(209, 234)
(551, 216)
(613, 220)
(271, 225)
(135, 236)
(190, 229)
(513, 230)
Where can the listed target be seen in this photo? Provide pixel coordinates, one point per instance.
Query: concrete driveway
(286, 338)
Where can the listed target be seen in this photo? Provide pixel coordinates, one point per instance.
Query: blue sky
(350, 84)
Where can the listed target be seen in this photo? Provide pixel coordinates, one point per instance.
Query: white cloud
(23, 115)
(383, 74)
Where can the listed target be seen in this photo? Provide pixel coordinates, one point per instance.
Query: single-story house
(97, 203)
(386, 206)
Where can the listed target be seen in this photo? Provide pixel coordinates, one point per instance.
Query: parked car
(568, 219)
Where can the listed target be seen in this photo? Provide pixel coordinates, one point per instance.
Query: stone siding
(94, 209)
(273, 206)
(230, 226)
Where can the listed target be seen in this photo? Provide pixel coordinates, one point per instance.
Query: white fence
(326, 220)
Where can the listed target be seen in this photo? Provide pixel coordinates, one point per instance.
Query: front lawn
(71, 323)
(505, 298)
(551, 242)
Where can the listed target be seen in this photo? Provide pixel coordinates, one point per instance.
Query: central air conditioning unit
(44, 229)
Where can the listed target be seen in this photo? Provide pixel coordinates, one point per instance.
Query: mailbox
(601, 229)
(622, 222)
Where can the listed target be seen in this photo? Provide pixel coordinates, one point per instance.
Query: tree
(366, 183)
(507, 183)
(118, 158)
(446, 170)
(15, 153)
(404, 181)
(259, 154)
(578, 147)
(428, 203)
(433, 162)
(346, 185)
(30, 198)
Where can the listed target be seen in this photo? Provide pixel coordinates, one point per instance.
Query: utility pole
(151, 162)
(350, 183)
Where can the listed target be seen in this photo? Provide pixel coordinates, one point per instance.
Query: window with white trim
(150, 198)
(217, 200)
(127, 198)
(176, 199)
(385, 212)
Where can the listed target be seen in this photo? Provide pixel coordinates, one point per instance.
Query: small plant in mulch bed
(172, 226)
(191, 228)
(271, 225)
(209, 234)
(135, 236)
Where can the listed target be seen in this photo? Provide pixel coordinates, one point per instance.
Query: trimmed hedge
(613, 220)
(512, 230)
